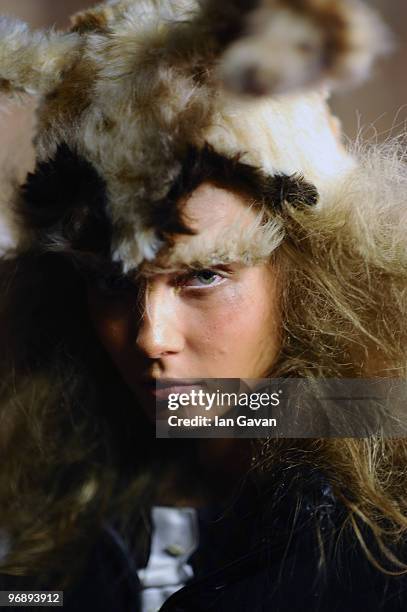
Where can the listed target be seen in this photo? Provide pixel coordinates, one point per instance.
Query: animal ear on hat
(33, 62)
(293, 44)
(287, 192)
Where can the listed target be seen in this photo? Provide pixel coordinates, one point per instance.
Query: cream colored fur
(245, 243)
(33, 62)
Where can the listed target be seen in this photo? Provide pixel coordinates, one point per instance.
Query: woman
(172, 229)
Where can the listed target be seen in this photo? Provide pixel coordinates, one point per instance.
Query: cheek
(213, 324)
(244, 323)
(248, 319)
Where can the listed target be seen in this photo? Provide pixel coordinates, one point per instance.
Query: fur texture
(136, 83)
(116, 128)
(33, 62)
(297, 43)
(63, 207)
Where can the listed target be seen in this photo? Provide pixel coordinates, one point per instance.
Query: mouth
(161, 388)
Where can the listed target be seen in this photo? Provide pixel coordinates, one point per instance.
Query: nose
(159, 331)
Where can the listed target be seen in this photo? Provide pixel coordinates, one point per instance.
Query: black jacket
(280, 548)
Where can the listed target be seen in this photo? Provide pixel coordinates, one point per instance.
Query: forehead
(210, 208)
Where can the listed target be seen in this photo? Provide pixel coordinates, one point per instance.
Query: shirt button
(175, 550)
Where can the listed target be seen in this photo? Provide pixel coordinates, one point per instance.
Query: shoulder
(301, 556)
(312, 544)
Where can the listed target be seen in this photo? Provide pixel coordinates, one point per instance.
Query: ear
(33, 62)
(288, 45)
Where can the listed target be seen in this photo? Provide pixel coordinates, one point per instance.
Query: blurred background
(377, 109)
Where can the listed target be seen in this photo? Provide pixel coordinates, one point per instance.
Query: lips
(168, 381)
(161, 388)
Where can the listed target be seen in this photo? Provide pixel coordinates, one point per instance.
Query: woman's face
(221, 322)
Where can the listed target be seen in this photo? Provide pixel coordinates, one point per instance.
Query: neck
(209, 474)
(223, 460)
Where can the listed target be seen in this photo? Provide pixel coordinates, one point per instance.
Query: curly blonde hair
(67, 459)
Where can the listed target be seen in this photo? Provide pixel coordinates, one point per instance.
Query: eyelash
(121, 285)
(182, 280)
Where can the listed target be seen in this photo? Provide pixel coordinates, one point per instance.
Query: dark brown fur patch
(63, 203)
(330, 18)
(6, 86)
(228, 19)
(89, 21)
(206, 165)
(67, 102)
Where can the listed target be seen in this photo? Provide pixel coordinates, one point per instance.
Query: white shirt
(175, 536)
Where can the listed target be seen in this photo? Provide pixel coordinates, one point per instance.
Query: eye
(201, 278)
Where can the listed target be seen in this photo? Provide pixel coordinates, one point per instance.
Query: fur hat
(135, 86)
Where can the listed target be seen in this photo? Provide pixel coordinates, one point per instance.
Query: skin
(219, 324)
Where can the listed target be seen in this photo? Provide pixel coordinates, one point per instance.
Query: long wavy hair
(74, 447)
